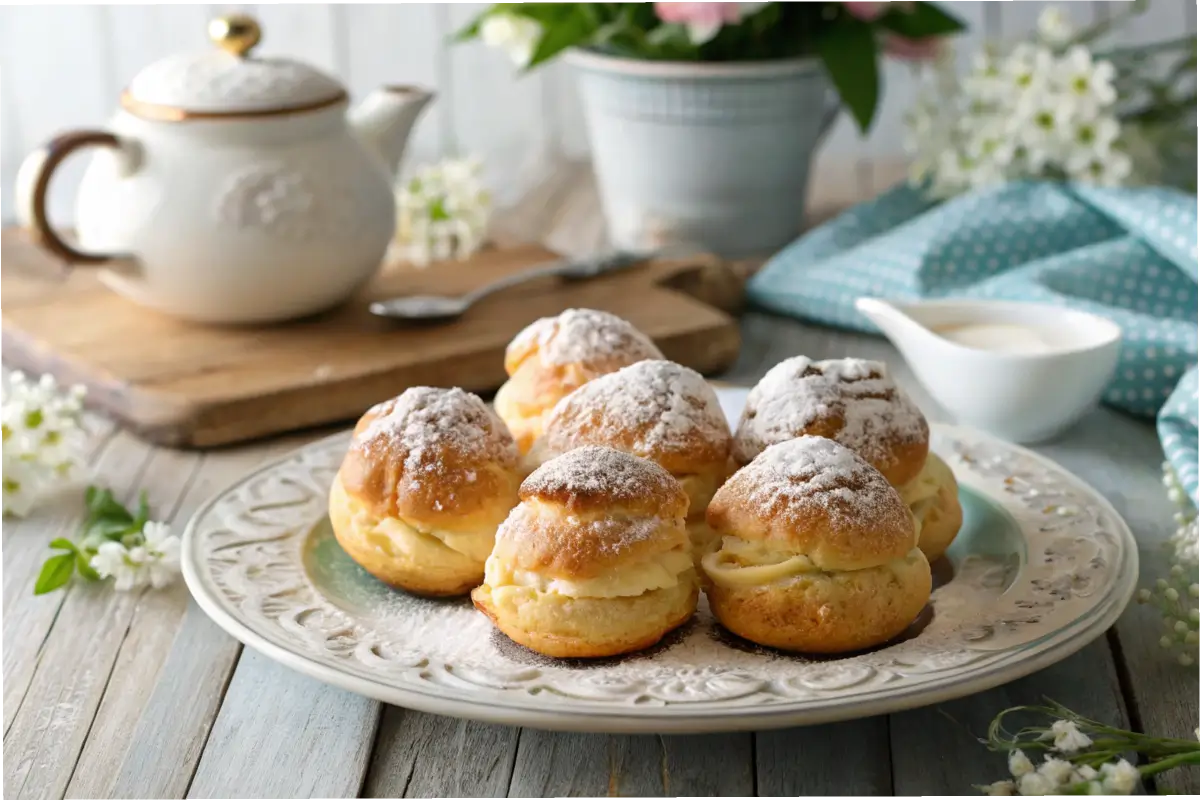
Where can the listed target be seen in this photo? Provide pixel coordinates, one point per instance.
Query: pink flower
(703, 20)
(925, 49)
(869, 12)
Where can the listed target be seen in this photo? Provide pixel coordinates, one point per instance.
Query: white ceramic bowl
(1022, 397)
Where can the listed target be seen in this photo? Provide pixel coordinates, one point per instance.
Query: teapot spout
(384, 119)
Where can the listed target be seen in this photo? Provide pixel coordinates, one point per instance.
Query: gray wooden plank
(27, 619)
(845, 758)
(281, 734)
(51, 723)
(151, 629)
(936, 750)
(174, 665)
(425, 755)
(551, 764)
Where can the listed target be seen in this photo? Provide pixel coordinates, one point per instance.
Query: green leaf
(55, 573)
(143, 513)
(101, 504)
(851, 58)
(925, 19)
(571, 30)
(112, 529)
(63, 544)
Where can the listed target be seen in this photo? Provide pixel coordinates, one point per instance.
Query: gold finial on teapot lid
(235, 33)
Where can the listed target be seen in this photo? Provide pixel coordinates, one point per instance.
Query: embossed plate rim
(520, 708)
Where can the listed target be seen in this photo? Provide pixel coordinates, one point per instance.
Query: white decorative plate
(1042, 566)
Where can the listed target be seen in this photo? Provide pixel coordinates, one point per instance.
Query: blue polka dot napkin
(1126, 254)
(1179, 427)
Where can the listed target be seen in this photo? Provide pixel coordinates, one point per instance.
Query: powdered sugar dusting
(431, 425)
(791, 476)
(799, 396)
(584, 335)
(571, 534)
(593, 473)
(657, 407)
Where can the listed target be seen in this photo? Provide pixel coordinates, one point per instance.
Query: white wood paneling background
(63, 67)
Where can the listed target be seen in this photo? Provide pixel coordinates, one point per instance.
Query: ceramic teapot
(231, 188)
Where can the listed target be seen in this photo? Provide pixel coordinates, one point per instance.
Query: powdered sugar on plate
(851, 400)
(582, 336)
(653, 407)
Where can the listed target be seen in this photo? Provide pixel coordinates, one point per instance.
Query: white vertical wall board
(400, 44)
(301, 31)
(55, 61)
(142, 34)
(1019, 18)
(484, 106)
(10, 145)
(499, 114)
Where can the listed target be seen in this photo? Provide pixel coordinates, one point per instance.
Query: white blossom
(1031, 111)
(1019, 764)
(1119, 778)
(1033, 783)
(1001, 788)
(1053, 28)
(151, 561)
(1057, 770)
(442, 212)
(43, 439)
(1067, 736)
(516, 35)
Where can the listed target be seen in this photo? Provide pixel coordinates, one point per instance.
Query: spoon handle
(575, 269)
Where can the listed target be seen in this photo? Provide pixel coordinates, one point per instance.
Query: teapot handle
(33, 184)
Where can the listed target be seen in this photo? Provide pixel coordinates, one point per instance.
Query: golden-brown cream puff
(659, 411)
(933, 498)
(854, 402)
(595, 561)
(428, 478)
(554, 356)
(818, 552)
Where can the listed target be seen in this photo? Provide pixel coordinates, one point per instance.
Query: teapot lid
(228, 82)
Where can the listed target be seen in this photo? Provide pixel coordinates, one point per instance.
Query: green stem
(1162, 765)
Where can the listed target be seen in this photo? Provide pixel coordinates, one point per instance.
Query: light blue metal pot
(710, 154)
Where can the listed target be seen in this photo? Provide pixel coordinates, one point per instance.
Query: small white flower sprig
(1176, 596)
(1052, 108)
(43, 439)
(1080, 755)
(443, 212)
(115, 543)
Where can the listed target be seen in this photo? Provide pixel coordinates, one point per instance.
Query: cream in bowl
(1023, 371)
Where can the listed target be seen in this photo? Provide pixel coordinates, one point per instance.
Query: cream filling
(741, 564)
(660, 572)
(700, 491)
(921, 488)
(395, 537)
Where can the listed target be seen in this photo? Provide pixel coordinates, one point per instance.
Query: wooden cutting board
(189, 385)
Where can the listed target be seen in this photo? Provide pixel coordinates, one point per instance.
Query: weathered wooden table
(109, 694)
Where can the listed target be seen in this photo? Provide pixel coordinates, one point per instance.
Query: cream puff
(554, 356)
(857, 404)
(428, 478)
(659, 411)
(818, 552)
(852, 401)
(595, 561)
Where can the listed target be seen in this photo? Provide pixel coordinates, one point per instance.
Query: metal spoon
(440, 307)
